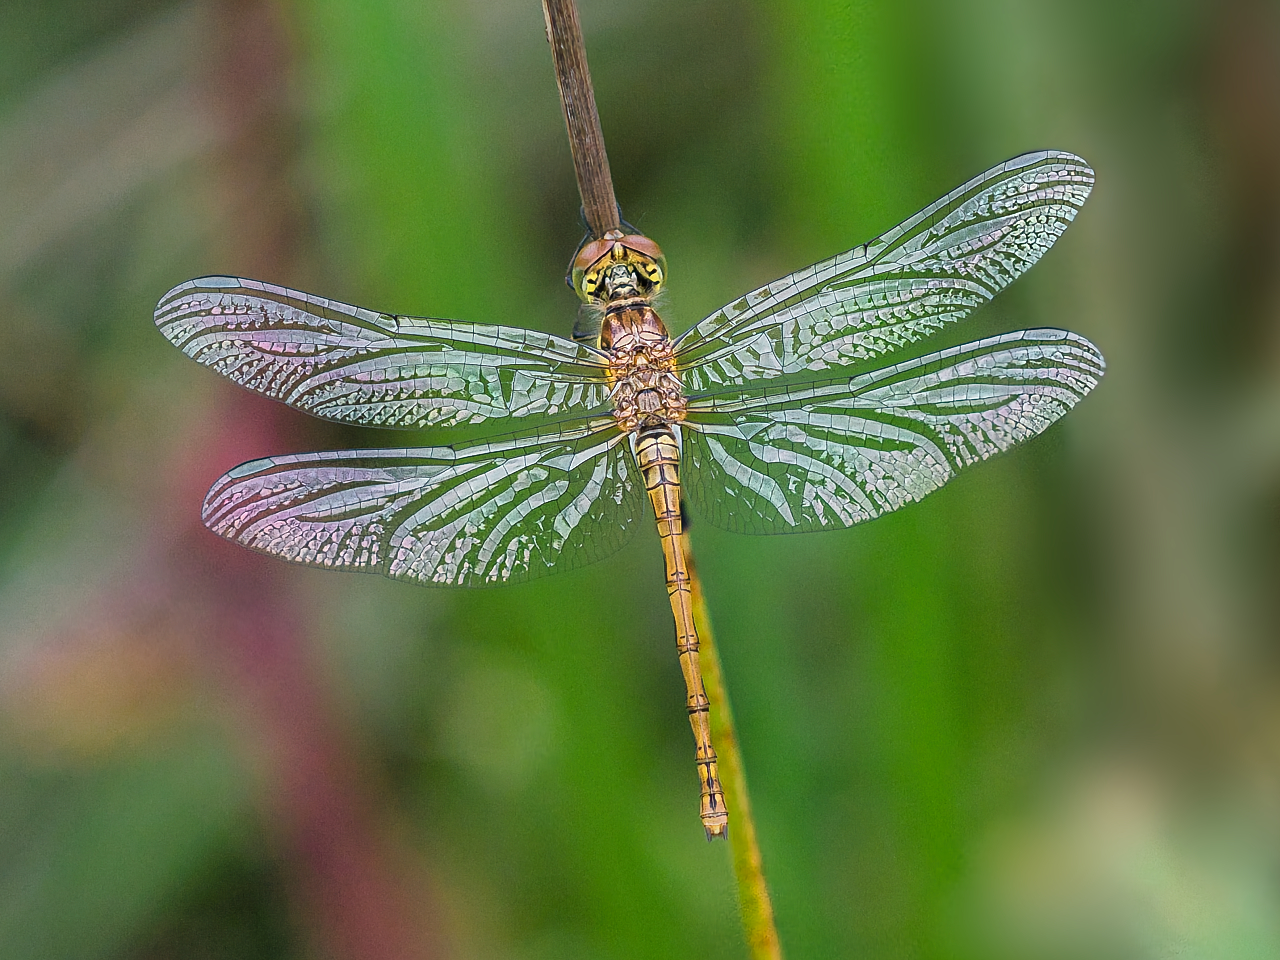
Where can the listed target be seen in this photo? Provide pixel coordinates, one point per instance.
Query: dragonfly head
(618, 265)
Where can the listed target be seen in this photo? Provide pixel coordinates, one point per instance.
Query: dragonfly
(768, 416)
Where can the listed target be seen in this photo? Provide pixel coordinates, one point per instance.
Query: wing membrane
(781, 459)
(928, 271)
(346, 363)
(492, 512)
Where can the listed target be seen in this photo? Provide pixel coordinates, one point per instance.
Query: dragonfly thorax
(642, 367)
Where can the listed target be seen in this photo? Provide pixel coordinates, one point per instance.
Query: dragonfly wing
(491, 512)
(932, 269)
(346, 363)
(776, 459)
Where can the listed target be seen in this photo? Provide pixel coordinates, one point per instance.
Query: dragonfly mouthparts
(620, 280)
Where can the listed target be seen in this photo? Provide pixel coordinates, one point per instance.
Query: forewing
(926, 272)
(487, 513)
(783, 459)
(346, 363)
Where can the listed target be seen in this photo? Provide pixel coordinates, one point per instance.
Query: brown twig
(590, 163)
(748, 866)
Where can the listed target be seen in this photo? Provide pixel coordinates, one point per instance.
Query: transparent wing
(491, 512)
(926, 272)
(346, 363)
(776, 459)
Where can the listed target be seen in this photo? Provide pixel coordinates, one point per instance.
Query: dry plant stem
(590, 163)
(748, 868)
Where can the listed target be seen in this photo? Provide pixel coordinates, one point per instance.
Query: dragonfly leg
(659, 461)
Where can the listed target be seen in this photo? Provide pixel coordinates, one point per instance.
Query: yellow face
(598, 257)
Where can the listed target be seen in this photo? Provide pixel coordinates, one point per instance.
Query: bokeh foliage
(1033, 716)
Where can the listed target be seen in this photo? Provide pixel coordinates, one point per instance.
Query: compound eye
(591, 252)
(642, 245)
(587, 273)
(646, 256)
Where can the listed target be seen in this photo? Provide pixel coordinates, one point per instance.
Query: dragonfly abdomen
(658, 455)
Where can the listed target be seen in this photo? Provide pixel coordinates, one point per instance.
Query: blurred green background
(1034, 716)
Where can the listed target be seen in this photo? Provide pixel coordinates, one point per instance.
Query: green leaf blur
(1034, 716)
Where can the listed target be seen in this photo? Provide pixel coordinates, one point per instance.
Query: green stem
(748, 867)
